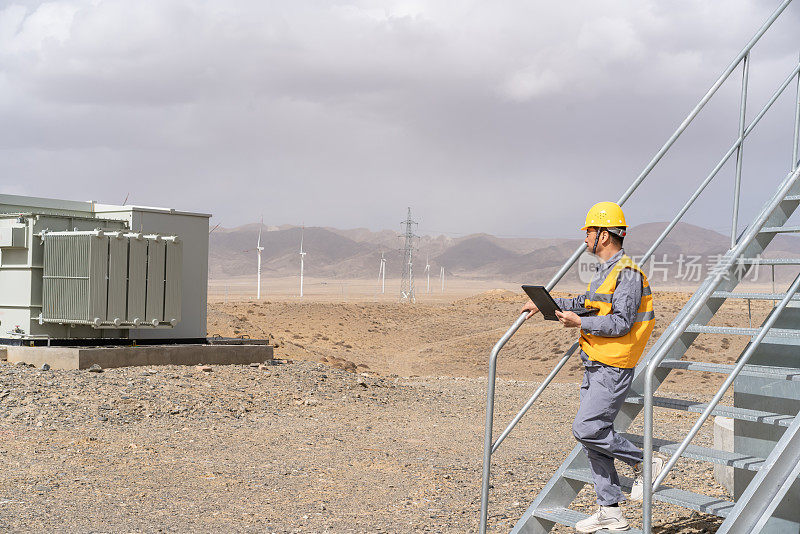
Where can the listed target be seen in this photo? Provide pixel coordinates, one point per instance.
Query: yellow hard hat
(605, 215)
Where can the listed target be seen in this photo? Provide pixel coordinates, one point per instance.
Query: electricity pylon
(407, 291)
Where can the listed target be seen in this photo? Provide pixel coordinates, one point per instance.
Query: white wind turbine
(442, 275)
(382, 274)
(428, 272)
(259, 248)
(302, 255)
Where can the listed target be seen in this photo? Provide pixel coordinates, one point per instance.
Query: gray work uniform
(604, 387)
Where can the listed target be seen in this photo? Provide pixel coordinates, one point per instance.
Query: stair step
(704, 454)
(759, 371)
(751, 296)
(769, 261)
(686, 499)
(737, 331)
(565, 516)
(780, 229)
(791, 197)
(743, 414)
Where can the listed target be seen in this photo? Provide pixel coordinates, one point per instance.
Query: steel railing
(743, 359)
(796, 144)
(489, 447)
(721, 271)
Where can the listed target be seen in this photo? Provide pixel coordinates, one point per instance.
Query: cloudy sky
(510, 118)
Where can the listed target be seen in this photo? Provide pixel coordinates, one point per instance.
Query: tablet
(544, 301)
(541, 297)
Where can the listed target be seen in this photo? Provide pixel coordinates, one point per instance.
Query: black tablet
(544, 301)
(541, 297)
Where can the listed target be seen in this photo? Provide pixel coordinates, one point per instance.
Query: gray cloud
(509, 119)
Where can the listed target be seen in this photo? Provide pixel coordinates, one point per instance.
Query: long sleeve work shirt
(624, 302)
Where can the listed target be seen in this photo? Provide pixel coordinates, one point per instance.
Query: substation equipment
(99, 273)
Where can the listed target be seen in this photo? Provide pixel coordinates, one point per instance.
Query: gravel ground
(298, 447)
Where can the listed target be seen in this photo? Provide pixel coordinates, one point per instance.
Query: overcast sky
(503, 117)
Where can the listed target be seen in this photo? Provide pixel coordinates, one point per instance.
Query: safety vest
(623, 351)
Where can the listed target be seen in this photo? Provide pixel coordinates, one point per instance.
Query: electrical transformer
(89, 271)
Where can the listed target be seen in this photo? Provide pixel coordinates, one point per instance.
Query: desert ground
(374, 423)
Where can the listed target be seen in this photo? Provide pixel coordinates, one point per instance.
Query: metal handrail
(535, 396)
(773, 317)
(737, 186)
(647, 255)
(726, 263)
(489, 449)
(796, 144)
(731, 151)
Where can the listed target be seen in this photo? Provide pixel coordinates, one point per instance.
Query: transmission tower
(407, 291)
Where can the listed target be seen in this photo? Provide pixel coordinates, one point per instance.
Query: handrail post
(796, 125)
(647, 456)
(739, 151)
(703, 101)
(487, 435)
(720, 164)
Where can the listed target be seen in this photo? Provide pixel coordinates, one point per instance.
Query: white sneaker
(637, 490)
(608, 517)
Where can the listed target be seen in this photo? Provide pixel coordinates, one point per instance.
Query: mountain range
(356, 253)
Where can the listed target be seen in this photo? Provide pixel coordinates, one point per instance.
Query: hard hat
(605, 215)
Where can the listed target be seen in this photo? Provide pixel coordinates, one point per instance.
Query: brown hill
(473, 255)
(355, 253)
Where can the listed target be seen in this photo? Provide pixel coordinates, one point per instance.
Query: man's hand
(530, 307)
(569, 319)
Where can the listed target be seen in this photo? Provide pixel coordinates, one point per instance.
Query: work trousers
(603, 391)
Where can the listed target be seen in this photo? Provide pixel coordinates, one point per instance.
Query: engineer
(611, 342)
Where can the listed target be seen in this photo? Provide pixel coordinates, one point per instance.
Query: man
(612, 341)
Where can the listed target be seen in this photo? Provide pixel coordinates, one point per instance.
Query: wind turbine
(302, 255)
(382, 274)
(442, 275)
(259, 248)
(428, 272)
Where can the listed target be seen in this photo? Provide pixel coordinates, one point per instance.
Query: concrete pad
(723, 441)
(142, 355)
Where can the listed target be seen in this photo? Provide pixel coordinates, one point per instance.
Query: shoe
(637, 490)
(608, 517)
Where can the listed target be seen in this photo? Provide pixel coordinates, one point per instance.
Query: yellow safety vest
(623, 351)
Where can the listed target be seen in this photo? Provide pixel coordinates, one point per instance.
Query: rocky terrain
(300, 447)
(375, 426)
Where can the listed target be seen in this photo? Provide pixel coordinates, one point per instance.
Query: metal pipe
(703, 101)
(487, 435)
(739, 151)
(685, 124)
(773, 283)
(535, 396)
(796, 127)
(680, 327)
(719, 165)
(773, 317)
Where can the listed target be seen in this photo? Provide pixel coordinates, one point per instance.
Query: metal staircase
(775, 473)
